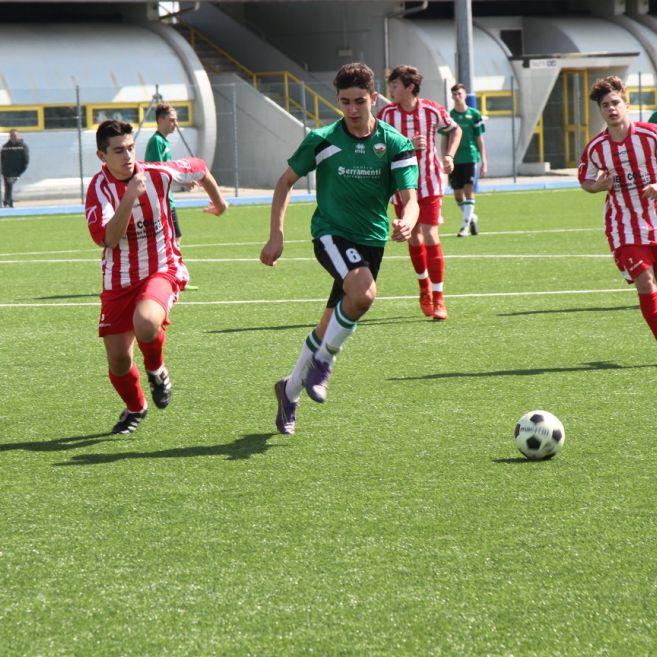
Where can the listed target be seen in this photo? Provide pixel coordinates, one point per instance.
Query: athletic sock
(129, 388)
(339, 328)
(152, 351)
(418, 255)
(468, 210)
(648, 303)
(461, 208)
(294, 383)
(435, 264)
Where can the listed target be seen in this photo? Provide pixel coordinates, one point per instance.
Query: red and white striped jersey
(149, 246)
(426, 119)
(629, 218)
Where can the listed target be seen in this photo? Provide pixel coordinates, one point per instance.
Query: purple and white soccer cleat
(317, 379)
(286, 416)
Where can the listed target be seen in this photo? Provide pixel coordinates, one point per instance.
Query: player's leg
(418, 254)
(357, 267)
(124, 376)
(288, 390)
(469, 203)
(637, 264)
(436, 265)
(150, 316)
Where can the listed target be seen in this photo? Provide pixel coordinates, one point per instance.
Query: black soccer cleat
(160, 386)
(474, 228)
(129, 421)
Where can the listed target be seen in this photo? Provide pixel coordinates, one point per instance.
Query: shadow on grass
(519, 460)
(585, 367)
(95, 295)
(286, 327)
(602, 309)
(240, 449)
(60, 444)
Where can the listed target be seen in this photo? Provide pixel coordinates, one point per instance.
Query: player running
(419, 119)
(471, 151)
(129, 216)
(359, 162)
(622, 161)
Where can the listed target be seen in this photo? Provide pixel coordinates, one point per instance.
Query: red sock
(152, 351)
(648, 303)
(129, 389)
(419, 259)
(435, 263)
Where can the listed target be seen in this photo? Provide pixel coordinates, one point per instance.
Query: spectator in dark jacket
(14, 158)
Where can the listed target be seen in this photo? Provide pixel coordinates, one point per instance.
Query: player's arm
(453, 141)
(218, 204)
(271, 251)
(116, 227)
(403, 227)
(602, 183)
(483, 170)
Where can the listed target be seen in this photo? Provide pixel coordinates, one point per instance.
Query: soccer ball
(539, 435)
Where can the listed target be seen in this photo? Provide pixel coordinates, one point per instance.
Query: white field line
(468, 256)
(262, 242)
(407, 297)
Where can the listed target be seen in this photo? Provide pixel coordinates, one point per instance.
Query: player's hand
(419, 141)
(217, 211)
(483, 170)
(448, 163)
(401, 231)
(604, 181)
(191, 185)
(137, 185)
(649, 192)
(272, 251)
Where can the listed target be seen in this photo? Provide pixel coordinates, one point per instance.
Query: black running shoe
(129, 421)
(160, 388)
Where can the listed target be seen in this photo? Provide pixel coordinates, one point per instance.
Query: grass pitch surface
(400, 520)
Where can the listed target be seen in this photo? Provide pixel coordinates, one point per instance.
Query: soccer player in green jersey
(653, 118)
(471, 151)
(359, 162)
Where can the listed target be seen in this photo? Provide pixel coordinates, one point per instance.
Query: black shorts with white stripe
(339, 256)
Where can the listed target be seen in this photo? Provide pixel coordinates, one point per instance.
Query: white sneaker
(465, 231)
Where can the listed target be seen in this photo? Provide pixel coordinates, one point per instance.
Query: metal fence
(258, 128)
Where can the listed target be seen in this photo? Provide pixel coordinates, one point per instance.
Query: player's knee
(364, 298)
(145, 327)
(119, 363)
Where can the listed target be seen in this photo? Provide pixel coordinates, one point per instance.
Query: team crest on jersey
(360, 149)
(380, 149)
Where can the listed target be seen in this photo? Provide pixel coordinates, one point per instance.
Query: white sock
(339, 328)
(294, 383)
(437, 287)
(468, 210)
(422, 276)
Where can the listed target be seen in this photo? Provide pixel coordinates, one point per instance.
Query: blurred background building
(248, 78)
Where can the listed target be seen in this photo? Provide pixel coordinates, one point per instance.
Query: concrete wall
(266, 135)
(322, 36)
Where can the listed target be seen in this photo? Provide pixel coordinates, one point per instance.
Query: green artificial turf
(400, 520)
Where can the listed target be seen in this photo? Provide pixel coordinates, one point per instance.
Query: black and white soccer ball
(539, 435)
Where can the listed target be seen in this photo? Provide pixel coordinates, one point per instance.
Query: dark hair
(408, 75)
(108, 129)
(603, 86)
(458, 86)
(355, 75)
(162, 110)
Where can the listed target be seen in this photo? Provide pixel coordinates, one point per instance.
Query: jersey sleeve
(444, 122)
(99, 209)
(589, 165)
(304, 159)
(403, 165)
(184, 171)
